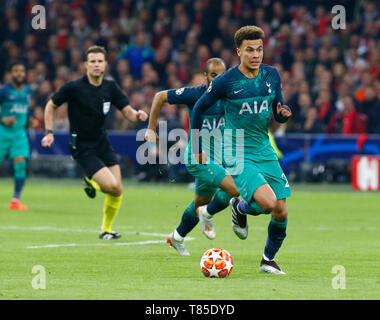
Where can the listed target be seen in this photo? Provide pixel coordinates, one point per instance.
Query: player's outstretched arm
(159, 99)
(48, 139)
(134, 115)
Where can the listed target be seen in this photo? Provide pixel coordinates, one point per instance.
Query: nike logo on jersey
(237, 91)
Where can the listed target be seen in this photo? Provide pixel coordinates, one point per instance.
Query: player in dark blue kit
(209, 177)
(250, 92)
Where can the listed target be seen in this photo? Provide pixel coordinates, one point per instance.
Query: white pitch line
(96, 244)
(102, 244)
(47, 228)
(53, 246)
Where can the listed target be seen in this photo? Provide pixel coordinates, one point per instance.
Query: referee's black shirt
(89, 105)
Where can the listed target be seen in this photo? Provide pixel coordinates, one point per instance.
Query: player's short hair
(15, 63)
(248, 33)
(213, 60)
(96, 49)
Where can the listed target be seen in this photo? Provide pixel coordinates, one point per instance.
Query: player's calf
(108, 182)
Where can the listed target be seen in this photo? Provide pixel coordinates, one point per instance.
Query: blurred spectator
(38, 118)
(325, 106)
(347, 120)
(370, 106)
(137, 54)
(61, 121)
(312, 123)
(155, 45)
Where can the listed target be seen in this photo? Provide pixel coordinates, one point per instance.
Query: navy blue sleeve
(214, 92)
(187, 95)
(2, 94)
(279, 98)
(1, 99)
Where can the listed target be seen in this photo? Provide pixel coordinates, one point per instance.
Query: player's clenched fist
(142, 115)
(283, 110)
(47, 141)
(8, 121)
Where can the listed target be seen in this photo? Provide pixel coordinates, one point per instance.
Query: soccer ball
(216, 263)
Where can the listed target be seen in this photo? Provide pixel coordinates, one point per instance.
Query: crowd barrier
(306, 157)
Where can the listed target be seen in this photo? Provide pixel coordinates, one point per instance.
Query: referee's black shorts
(94, 156)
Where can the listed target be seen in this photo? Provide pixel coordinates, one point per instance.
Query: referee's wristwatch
(49, 131)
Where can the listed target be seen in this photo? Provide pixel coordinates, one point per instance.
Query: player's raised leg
(20, 167)
(109, 181)
(188, 222)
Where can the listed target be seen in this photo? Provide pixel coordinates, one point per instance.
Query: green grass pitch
(329, 225)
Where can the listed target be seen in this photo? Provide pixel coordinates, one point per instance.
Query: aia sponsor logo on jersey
(254, 109)
(214, 123)
(19, 109)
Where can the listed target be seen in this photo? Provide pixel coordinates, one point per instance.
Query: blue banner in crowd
(296, 148)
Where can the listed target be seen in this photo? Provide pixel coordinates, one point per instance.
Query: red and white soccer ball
(216, 263)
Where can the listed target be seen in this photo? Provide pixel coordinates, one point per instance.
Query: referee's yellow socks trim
(94, 184)
(111, 208)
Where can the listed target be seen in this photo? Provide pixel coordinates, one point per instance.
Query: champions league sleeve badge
(106, 107)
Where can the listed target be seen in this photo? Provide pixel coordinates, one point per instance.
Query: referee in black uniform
(89, 99)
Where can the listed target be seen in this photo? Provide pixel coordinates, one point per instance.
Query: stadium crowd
(330, 78)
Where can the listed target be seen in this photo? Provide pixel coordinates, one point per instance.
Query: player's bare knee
(280, 214)
(233, 192)
(201, 201)
(268, 205)
(112, 188)
(117, 190)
